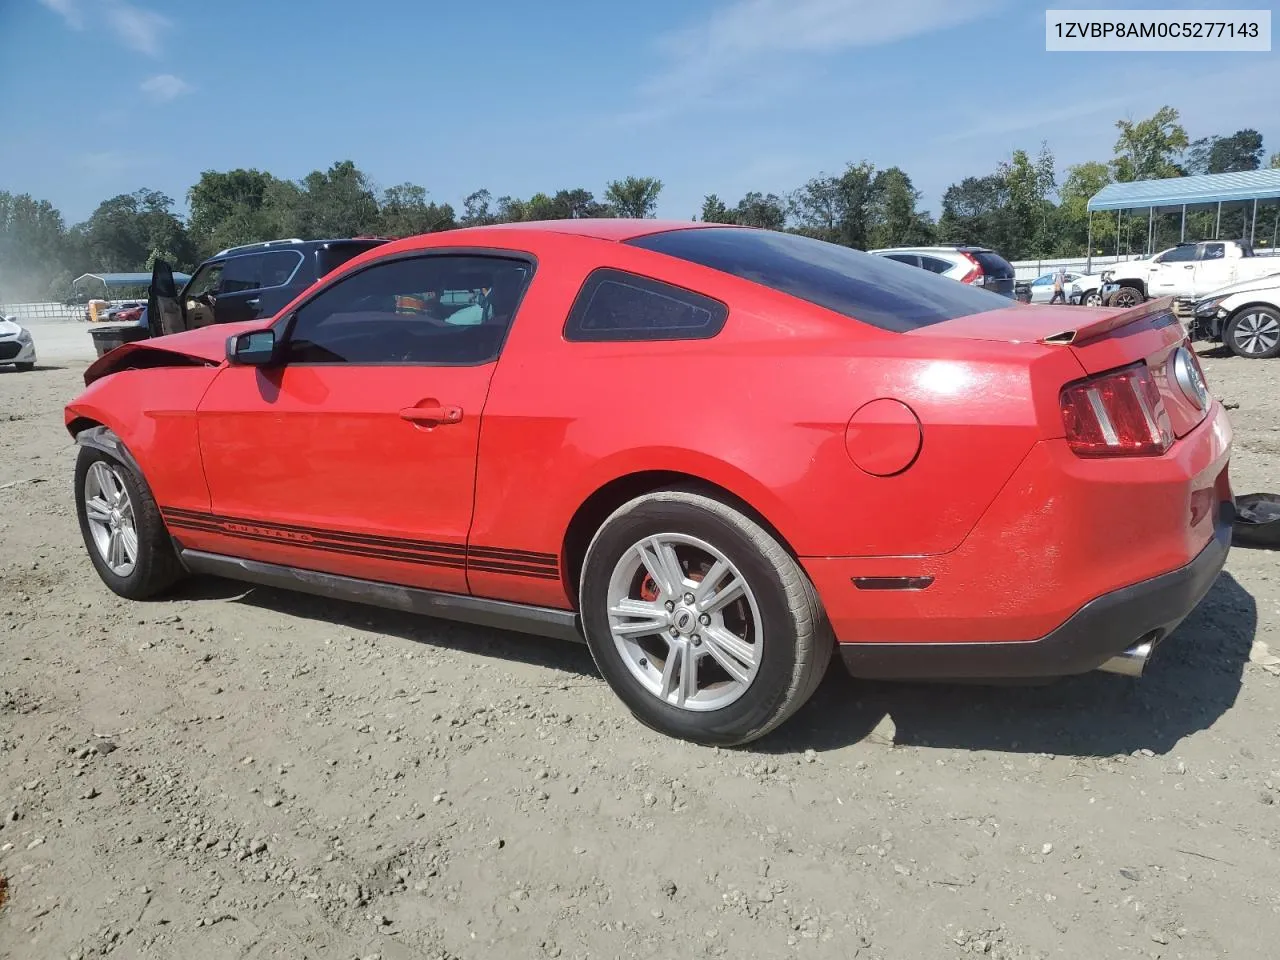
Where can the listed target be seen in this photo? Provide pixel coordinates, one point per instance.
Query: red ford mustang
(719, 453)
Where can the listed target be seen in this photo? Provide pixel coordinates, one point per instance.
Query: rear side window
(936, 264)
(334, 255)
(994, 265)
(615, 305)
(859, 285)
(258, 271)
(910, 259)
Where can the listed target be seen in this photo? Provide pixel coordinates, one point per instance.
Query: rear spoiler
(1095, 329)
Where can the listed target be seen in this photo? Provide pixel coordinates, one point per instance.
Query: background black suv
(246, 282)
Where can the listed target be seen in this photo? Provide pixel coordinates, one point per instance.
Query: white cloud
(68, 10)
(165, 87)
(1036, 120)
(136, 27)
(753, 42)
(143, 30)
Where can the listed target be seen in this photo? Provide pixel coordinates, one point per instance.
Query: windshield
(862, 286)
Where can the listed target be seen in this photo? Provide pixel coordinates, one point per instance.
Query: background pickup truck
(1187, 271)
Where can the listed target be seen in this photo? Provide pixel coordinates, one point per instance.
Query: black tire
(1233, 334)
(157, 567)
(797, 637)
(1126, 297)
(24, 367)
(1091, 299)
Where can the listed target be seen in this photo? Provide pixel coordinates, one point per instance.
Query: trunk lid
(1100, 339)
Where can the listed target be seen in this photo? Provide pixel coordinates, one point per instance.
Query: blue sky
(101, 97)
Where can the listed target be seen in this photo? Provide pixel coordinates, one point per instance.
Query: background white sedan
(1042, 286)
(1245, 316)
(16, 346)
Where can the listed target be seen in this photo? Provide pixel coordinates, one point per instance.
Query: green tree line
(1021, 209)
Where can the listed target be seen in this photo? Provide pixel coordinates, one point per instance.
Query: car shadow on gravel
(562, 655)
(1192, 680)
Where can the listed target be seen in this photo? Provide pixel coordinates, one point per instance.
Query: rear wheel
(24, 367)
(1093, 298)
(700, 621)
(1254, 332)
(1127, 297)
(122, 528)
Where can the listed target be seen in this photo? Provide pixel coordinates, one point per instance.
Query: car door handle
(431, 412)
(253, 303)
(1189, 266)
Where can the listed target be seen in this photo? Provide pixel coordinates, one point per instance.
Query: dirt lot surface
(242, 773)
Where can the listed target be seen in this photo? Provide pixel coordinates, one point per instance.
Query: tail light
(975, 275)
(1116, 414)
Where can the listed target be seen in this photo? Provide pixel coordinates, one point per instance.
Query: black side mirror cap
(256, 348)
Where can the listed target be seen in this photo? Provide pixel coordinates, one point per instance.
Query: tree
(122, 232)
(232, 208)
(1274, 162)
(1083, 181)
(1146, 150)
(836, 208)
(715, 211)
(768, 211)
(475, 209)
(338, 202)
(1026, 219)
(34, 246)
(633, 196)
(894, 219)
(576, 204)
(1238, 152)
(765, 210)
(405, 212)
(974, 212)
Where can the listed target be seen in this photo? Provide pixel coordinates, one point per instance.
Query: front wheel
(1127, 297)
(1093, 299)
(1254, 333)
(700, 621)
(122, 528)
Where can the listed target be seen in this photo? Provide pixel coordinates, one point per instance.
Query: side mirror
(256, 348)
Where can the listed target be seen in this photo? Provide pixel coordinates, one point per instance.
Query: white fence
(26, 312)
(1030, 269)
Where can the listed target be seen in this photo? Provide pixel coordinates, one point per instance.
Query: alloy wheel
(685, 621)
(109, 510)
(1256, 333)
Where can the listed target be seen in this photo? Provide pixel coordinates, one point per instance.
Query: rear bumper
(1103, 628)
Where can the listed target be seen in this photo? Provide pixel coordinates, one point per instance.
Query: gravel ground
(243, 773)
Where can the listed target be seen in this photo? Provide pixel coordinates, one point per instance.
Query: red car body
(925, 480)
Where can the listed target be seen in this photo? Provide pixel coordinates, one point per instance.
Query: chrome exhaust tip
(1131, 662)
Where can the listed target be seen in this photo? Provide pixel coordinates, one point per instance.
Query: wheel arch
(91, 434)
(1264, 304)
(1136, 283)
(605, 499)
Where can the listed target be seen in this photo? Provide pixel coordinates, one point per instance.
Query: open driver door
(165, 313)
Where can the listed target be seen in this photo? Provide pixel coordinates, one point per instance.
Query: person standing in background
(1059, 286)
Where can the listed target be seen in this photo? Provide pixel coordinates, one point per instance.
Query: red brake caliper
(649, 589)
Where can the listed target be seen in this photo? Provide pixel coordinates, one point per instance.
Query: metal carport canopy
(126, 279)
(1175, 192)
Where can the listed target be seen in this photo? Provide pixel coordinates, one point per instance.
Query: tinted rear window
(865, 287)
(333, 256)
(994, 265)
